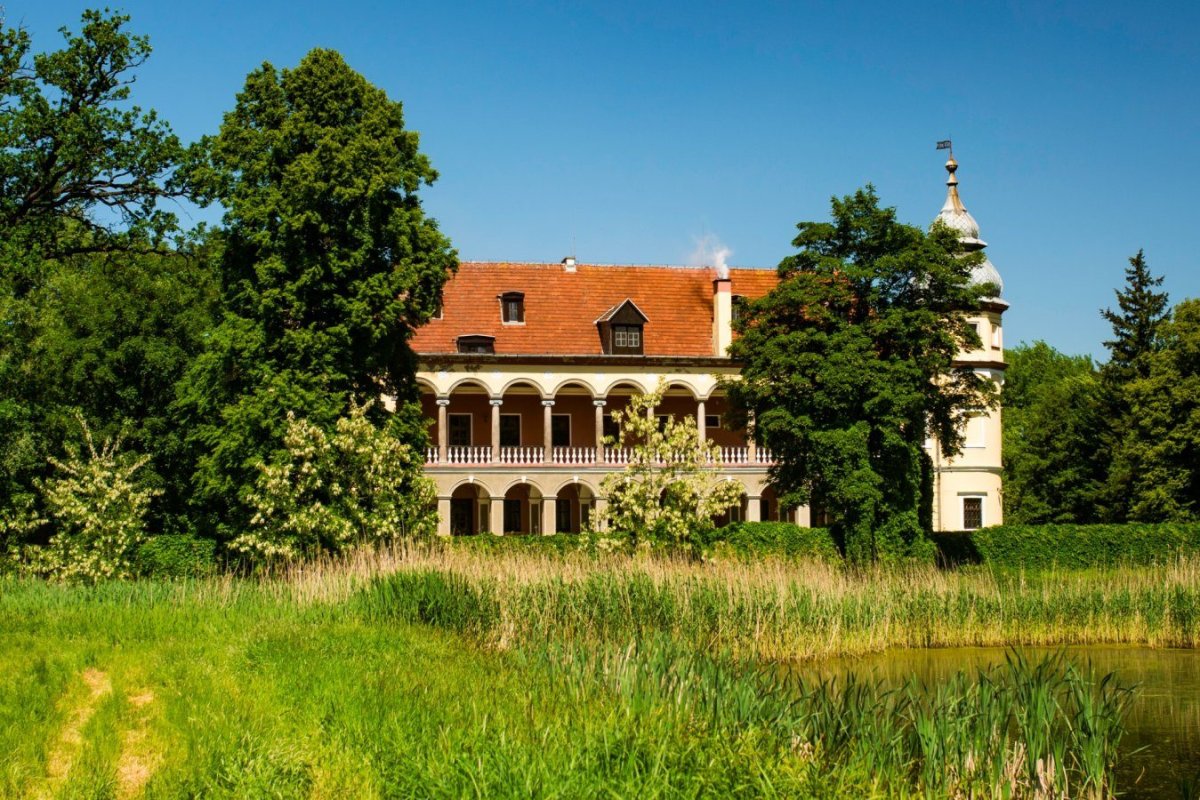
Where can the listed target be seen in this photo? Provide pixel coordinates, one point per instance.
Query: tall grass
(774, 610)
(429, 671)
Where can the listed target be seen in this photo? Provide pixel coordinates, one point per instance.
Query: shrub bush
(176, 556)
(775, 538)
(1070, 546)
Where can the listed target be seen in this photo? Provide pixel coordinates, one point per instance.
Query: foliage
(758, 539)
(1136, 325)
(668, 492)
(181, 555)
(1161, 447)
(328, 265)
(99, 508)
(108, 336)
(81, 172)
(1054, 413)
(1042, 547)
(360, 484)
(1136, 337)
(80, 169)
(848, 365)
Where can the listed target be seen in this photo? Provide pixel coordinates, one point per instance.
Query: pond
(1162, 746)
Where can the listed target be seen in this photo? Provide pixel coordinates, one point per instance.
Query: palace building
(522, 370)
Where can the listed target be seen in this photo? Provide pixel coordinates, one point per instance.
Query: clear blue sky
(634, 129)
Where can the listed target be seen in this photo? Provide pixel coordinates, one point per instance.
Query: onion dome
(954, 214)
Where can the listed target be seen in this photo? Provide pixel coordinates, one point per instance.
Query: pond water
(1162, 744)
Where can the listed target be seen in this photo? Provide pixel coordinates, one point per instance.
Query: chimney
(722, 313)
(569, 264)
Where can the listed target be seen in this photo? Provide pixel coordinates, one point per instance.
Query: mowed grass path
(230, 689)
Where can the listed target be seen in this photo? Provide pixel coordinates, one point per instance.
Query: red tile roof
(561, 307)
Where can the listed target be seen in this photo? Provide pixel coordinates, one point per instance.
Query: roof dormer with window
(622, 330)
(512, 308)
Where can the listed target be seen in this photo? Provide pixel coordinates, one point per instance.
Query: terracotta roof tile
(561, 307)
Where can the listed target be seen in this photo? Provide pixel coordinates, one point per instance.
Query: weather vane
(944, 144)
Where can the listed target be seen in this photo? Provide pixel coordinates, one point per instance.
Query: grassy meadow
(449, 671)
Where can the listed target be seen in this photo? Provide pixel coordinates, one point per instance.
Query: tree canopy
(329, 263)
(1053, 416)
(848, 365)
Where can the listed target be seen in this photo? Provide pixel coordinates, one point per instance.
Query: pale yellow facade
(519, 439)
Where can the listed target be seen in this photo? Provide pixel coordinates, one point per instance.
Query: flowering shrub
(357, 484)
(669, 491)
(98, 508)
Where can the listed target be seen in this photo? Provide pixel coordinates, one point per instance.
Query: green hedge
(775, 538)
(1069, 546)
(176, 556)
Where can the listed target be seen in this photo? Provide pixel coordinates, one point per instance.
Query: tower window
(972, 513)
(512, 308)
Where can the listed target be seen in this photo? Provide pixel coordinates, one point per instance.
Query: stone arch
(522, 508)
(426, 385)
(472, 482)
(467, 381)
(580, 382)
(574, 507)
(517, 382)
(692, 391)
(470, 503)
(638, 386)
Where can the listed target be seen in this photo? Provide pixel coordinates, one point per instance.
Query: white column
(599, 404)
(549, 515)
(443, 404)
(753, 509)
(701, 429)
(496, 403)
(443, 528)
(496, 514)
(547, 437)
(802, 516)
(598, 508)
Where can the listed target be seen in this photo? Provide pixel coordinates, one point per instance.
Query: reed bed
(766, 610)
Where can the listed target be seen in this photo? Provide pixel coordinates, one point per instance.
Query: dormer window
(476, 343)
(512, 308)
(621, 329)
(627, 338)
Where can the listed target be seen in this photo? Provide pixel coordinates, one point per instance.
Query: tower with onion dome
(967, 488)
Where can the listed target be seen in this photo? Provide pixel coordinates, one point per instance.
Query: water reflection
(1162, 747)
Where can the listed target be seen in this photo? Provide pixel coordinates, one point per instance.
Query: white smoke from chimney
(711, 250)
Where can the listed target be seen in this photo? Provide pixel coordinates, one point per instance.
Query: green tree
(848, 364)
(328, 265)
(1162, 445)
(1136, 326)
(82, 176)
(668, 492)
(99, 506)
(357, 485)
(80, 169)
(1053, 414)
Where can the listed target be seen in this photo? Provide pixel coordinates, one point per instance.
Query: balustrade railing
(464, 454)
(612, 456)
(573, 455)
(521, 455)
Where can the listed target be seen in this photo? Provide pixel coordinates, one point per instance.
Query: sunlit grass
(447, 672)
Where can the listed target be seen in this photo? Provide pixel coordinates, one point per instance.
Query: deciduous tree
(668, 492)
(1053, 417)
(848, 364)
(329, 263)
